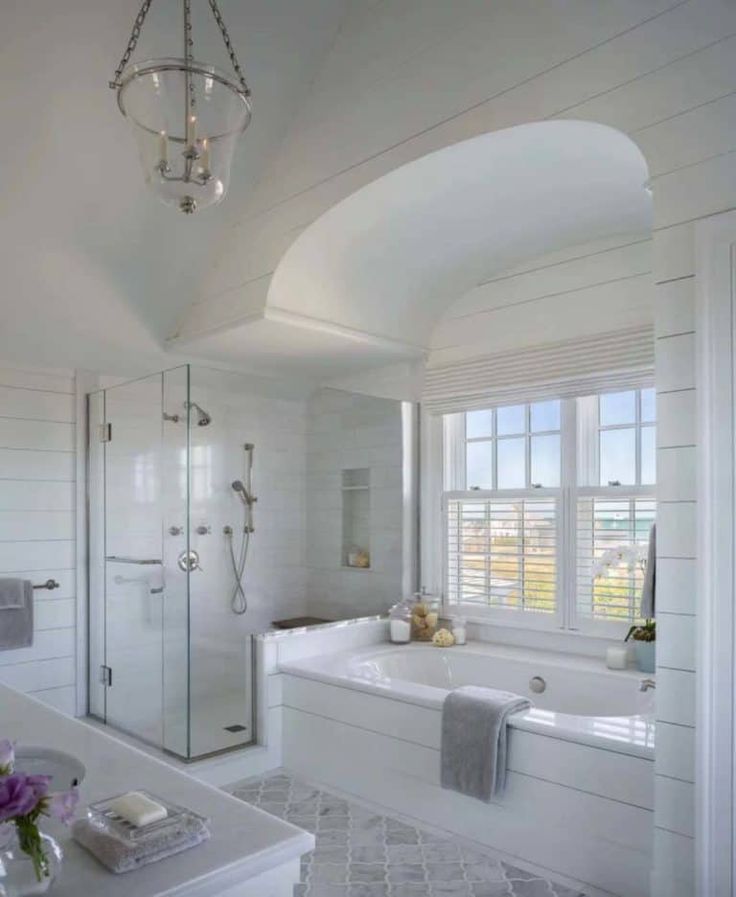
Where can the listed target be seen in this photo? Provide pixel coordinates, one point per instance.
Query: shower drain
(236, 727)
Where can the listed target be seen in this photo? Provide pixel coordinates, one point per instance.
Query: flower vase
(18, 876)
(645, 656)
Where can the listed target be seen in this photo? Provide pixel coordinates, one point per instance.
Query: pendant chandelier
(186, 117)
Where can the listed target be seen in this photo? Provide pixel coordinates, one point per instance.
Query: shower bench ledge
(250, 852)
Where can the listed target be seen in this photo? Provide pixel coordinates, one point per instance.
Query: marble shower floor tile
(360, 853)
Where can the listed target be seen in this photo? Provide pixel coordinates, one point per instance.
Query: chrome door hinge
(106, 433)
(106, 675)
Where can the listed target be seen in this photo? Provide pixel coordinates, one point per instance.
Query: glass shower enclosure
(170, 651)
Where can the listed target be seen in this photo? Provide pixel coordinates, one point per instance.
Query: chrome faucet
(646, 684)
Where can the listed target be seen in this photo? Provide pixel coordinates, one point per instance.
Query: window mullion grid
(567, 516)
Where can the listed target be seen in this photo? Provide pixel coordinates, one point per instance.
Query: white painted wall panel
(676, 419)
(23, 464)
(676, 363)
(675, 697)
(674, 806)
(675, 307)
(33, 404)
(675, 641)
(37, 525)
(676, 585)
(676, 473)
(676, 751)
(36, 434)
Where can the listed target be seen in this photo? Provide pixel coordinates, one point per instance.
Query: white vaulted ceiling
(366, 283)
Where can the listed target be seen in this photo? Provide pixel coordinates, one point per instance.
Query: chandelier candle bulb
(163, 147)
(205, 155)
(191, 130)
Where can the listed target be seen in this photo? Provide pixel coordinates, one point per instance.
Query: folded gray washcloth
(16, 613)
(121, 856)
(473, 754)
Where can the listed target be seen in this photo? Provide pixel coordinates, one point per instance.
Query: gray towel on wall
(16, 614)
(649, 589)
(474, 738)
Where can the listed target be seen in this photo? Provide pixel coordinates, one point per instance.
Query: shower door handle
(144, 561)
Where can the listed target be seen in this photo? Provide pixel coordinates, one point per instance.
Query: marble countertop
(245, 841)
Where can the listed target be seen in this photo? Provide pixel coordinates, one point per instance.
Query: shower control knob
(203, 530)
(175, 530)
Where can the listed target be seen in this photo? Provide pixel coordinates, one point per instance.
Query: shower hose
(238, 601)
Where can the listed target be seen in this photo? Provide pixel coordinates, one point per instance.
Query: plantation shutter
(502, 553)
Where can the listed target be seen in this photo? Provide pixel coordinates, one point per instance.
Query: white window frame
(579, 456)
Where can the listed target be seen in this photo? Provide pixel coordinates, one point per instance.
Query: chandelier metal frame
(194, 151)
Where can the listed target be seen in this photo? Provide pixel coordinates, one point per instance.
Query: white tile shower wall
(275, 573)
(347, 431)
(37, 525)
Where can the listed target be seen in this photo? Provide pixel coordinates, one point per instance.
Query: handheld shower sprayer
(244, 491)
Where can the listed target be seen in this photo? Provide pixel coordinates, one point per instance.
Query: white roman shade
(619, 360)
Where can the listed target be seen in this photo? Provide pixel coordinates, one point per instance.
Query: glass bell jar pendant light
(186, 116)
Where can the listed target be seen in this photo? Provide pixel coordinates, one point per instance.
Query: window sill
(551, 638)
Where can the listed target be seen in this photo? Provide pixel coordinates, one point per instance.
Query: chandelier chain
(189, 53)
(228, 44)
(132, 42)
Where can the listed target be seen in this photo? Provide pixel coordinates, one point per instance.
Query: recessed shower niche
(356, 518)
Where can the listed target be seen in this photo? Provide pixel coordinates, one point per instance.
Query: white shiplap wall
(407, 77)
(37, 525)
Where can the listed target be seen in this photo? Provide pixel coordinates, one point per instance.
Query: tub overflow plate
(537, 685)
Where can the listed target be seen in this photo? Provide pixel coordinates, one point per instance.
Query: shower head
(203, 418)
(238, 487)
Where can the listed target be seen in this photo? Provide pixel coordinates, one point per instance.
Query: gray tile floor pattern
(361, 853)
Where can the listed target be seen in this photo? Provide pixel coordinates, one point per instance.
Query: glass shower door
(134, 586)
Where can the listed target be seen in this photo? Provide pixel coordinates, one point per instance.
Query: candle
(191, 130)
(205, 155)
(617, 657)
(163, 147)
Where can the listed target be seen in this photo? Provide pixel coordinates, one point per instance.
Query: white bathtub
(579, 797)
(582, 700)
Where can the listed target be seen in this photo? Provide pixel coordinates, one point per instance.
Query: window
(548, 507)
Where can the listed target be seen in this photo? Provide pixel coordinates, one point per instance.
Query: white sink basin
(64, 769)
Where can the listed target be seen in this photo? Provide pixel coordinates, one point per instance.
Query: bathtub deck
(360, 853)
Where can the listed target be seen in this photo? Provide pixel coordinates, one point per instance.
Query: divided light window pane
(618, 456)
(546, 460)
(479, 465)
(478, 424)
(545, 416)
(648, 405)
(511, 420)
(511, 463)
(618, 408)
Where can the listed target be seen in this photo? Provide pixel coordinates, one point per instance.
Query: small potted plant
(29, 859)
(644, 638)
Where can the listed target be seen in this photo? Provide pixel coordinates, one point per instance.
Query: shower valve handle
(188, 561)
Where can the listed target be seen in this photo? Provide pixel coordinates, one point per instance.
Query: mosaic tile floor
(360, 853)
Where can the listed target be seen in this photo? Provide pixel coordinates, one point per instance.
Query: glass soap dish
(103, 817)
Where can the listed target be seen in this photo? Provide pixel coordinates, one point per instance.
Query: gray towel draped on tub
(16, 613)
(473, 754)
